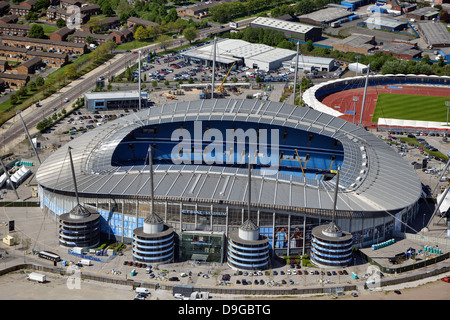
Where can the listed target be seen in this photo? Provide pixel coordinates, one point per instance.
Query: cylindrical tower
(154, 241)
(247, 249)
(330, 246)
(80, 227)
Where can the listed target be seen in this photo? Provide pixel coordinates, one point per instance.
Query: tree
(41, 4)
(164, 41)
(141, 33)
(89, 39)
(32, 85)
(107, 10)
(22, 92)
(14, 99)
(60, 23)
(31, 16)
(441, 62)
(190, 34)
(40, 81)
(70, 71)
(426, 59)
(171, 16)
(309, 46)
(36, 31)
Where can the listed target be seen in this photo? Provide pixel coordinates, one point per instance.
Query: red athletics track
(344, 100)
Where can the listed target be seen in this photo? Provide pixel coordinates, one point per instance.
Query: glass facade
(288, 232)
(199, 246)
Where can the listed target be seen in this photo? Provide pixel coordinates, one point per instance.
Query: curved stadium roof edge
(374, 178)
(311, 95)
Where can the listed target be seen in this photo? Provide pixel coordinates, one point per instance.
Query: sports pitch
(410, 107)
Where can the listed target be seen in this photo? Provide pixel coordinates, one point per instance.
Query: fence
(218, 290)
(84, 256)
(165, 286)
(19, 204)
(420, 264)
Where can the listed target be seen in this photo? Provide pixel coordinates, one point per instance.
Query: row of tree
(226, 12)
(270, 37)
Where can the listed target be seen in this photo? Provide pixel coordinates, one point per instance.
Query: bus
(49, 256)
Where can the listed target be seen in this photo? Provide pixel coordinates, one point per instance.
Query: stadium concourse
(205, 202)
(344, 97)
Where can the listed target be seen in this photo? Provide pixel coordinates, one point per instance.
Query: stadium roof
(373, 178)
(310, 97)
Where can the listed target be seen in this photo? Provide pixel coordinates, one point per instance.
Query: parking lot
(173, 68)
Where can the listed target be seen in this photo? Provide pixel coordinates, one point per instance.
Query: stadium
(344, 98)
(200, 160)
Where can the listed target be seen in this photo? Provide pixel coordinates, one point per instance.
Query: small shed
(8, 240)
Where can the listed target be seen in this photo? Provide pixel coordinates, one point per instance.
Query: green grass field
(410, 107)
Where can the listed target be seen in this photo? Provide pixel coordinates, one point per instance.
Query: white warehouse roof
(284, 25)
(230, 50)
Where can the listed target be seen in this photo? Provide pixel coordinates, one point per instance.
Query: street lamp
(447, 103)
(355, 98)
(357, 64)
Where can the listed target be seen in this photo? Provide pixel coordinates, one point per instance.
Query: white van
(142, 290)
(85, 262)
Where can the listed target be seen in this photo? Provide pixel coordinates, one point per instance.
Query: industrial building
(358, 43)
(118, 100)
(206, 203)
(240, 52)
(292, 30)
(425, 13)
(435, 35)
(384, 23)
(401, 50)
(326, 16)
(310, 63)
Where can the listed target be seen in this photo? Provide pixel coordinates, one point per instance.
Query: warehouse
(358, 43)
(325, 16)
(240, 52)
(401, 50)
(425, 13)
(310, 63)
(292, 30)
(96, 101)
(383, 23)
(435, 34)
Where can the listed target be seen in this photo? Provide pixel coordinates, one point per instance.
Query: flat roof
(112, 95)
(383, 21)
(313, 60)
(275, 54)
(328, 14)
(435, 33)
(231, 50)
(283, 25)
(358, 41)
